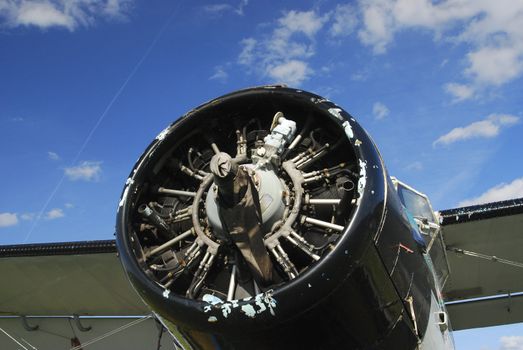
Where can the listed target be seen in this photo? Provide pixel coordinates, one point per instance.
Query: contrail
(102, 117)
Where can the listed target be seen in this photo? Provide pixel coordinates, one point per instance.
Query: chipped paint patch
(336, 112)
(348, 129)
(363, 180)
(248, 310)
(212, 299)
(128, 184)
(226, 309)
(357, 143)
(262, 303)
(212, 319)
(166, 293)
(164, 133)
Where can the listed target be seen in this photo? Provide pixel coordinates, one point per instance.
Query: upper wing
(485, 254)
(83, 278)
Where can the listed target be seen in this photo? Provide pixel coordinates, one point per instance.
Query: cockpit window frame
(435, 221)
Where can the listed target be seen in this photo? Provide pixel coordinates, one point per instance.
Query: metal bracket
(27, 326)
(79, 325)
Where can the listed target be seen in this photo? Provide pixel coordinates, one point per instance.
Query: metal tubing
(314, 158)
(232, 284)
(303, 248)
(169, 243)
(295, 142)
(302, 154)
(314, 178)
(163, 229)
(215, 148)
(321, 223)
(183, 211)
(320, 201)
(176, 192)
(312, 173)
(190, 172)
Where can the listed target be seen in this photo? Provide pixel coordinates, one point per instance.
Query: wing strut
(492, 258)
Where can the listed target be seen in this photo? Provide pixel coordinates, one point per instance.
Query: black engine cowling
(322, 199)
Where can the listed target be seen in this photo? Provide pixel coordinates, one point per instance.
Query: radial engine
(251, 222)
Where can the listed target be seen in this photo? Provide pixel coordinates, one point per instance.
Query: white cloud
(86, 171)
(378, 25)
(283, 55)
(69, 14)
(306, 22)
(291, 72)
(491, 30)
(55, 213)
(69, 205)
(499, 192)
(495, 65)
(487, 128)
(514, 342)
(246, 56)
(8, 219)
(459, 91)
(414, 166)
(380, 111)
(219, 9)
(53, 155)
(345, 20)
(27, 216)
(219, 74)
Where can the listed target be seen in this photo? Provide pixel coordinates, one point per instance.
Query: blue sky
(85, 85)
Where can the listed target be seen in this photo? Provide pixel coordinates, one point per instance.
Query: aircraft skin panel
(488, 287)
(66, 279)
(438, 334)
(57, 334)
(486, 312)
(493, 230)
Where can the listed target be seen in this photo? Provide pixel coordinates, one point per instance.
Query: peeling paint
(337, 113)
(248, 310)
(319, 100)
(263, 302)
(348, 129)
(260, 304)
(269, 301)
(357, 143)
(226, 309)
(164, 133)
(363, 179)
(128, 184)
(212, 299)
(212, 319)
(166, 293)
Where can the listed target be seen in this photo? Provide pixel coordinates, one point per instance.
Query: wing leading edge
(82, 278)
